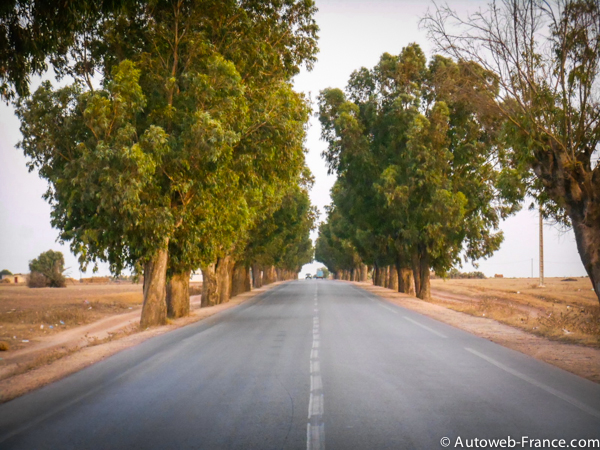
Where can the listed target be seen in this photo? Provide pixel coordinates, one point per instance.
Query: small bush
(456, 274)
(4, 346)
(47, 270)
(37, 280)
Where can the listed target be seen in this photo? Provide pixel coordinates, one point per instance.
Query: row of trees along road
(190, 148)
(419, 180)
(430, 157)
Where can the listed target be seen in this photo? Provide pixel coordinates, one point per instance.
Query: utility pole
(541, 248)
(531, 267)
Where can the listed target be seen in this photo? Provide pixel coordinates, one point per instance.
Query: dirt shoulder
(54, 357)
(578, 359)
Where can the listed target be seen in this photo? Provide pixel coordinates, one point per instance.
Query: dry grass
(562, 310)
(29, 313)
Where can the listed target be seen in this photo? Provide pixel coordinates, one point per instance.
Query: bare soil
(29, 314)
(492, 309)
(564, 309)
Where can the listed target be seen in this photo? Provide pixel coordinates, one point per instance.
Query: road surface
(310, 364)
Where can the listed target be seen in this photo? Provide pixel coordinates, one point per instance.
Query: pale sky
(353, 34)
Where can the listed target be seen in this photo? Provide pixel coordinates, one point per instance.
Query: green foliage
(5, 272)
(418, 179)
(194, 136)
(47, 270)
(282, 239)
(457, 274)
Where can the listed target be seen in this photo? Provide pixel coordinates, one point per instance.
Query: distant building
(16, 278)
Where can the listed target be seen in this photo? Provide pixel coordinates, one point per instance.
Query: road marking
(388, 308)
(437, 333)
(315, 405)
(315, 368)
(315, 428)
(316, 383)
(315, 436)
(562, 396)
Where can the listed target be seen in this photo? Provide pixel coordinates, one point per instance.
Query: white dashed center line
(315, 430)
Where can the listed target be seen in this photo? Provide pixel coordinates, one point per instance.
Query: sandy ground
(578, 359)
(57, 355)
(28, 315)
(564, 309)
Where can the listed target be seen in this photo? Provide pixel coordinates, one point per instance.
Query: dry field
(27, 314)
(564, 309)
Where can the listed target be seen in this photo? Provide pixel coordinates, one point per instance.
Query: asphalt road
(310, 364)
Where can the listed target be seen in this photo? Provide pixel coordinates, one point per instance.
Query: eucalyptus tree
(429, 157)
(281, 239)
(545, 55)
(172, 153)
(333, 247)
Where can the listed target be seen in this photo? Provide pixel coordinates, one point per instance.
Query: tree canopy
(419, 181)
(193, 135)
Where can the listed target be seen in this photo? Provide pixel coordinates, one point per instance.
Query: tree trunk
(154, 310)
(421, 273)
(269, 275)
(363, 273)
(406, 281)
(223, 272)
(587, 237)
(425, 279)
(257, 280)
(210, 287)
(393, 278)
(240, 279)
(569, 183)
(178, 295)
(386, 277)
(247, 279)
(416, 265)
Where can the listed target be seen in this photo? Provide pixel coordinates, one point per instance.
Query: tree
(161, 167)
(281, 240)
(35, 32)
(334, 250)
(47, 270)
(546, 58)
(407, 142)
(5, 272)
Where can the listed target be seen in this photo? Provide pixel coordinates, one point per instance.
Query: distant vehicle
(319, 275)
(308, 276)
